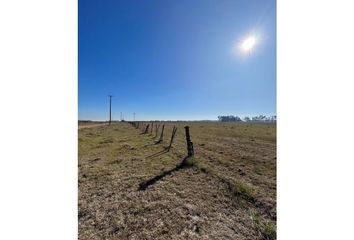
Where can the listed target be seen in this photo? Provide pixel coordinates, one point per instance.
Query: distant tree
(230, 118)
(254, 119)
(246, 119)
(263, 118)
(259, 118)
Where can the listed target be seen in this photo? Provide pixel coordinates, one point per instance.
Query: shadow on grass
(145, 184)
(157, 154)
(151, 144)
(158, 142)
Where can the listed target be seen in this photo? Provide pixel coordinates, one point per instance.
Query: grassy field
(226, 191)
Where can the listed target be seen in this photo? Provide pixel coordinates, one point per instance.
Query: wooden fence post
(146, 129)
(189, 142)
(152, 126)
(172, 137)
(156, 129)
(161, 136)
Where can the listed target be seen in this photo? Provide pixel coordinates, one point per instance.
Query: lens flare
(248, 44)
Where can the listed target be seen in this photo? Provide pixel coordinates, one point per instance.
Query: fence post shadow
(145, 184)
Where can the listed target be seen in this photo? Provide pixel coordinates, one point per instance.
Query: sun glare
(248, 44)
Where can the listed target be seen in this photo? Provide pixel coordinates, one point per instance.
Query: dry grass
(227, 191)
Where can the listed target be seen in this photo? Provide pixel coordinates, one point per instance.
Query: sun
(248, 43)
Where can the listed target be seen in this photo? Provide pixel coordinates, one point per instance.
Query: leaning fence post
(189, 143)
(161, 136)
(147, 128)
(172, 137)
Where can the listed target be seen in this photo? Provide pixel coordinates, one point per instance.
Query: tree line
(260, 118)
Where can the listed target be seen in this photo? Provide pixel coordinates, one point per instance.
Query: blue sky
(176, 59)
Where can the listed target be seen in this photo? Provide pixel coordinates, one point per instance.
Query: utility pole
(110, 109)
(121, 116)
(134, 116)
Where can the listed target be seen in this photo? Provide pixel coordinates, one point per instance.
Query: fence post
(161, 136)
(172, 137)
(189, 142)
(156, 129)
(152, 126)
(146, 129)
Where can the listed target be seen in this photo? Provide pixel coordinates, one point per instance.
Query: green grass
(265, 228)
(238, 188)
(245, 190)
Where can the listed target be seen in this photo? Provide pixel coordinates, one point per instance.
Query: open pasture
(131, 187)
